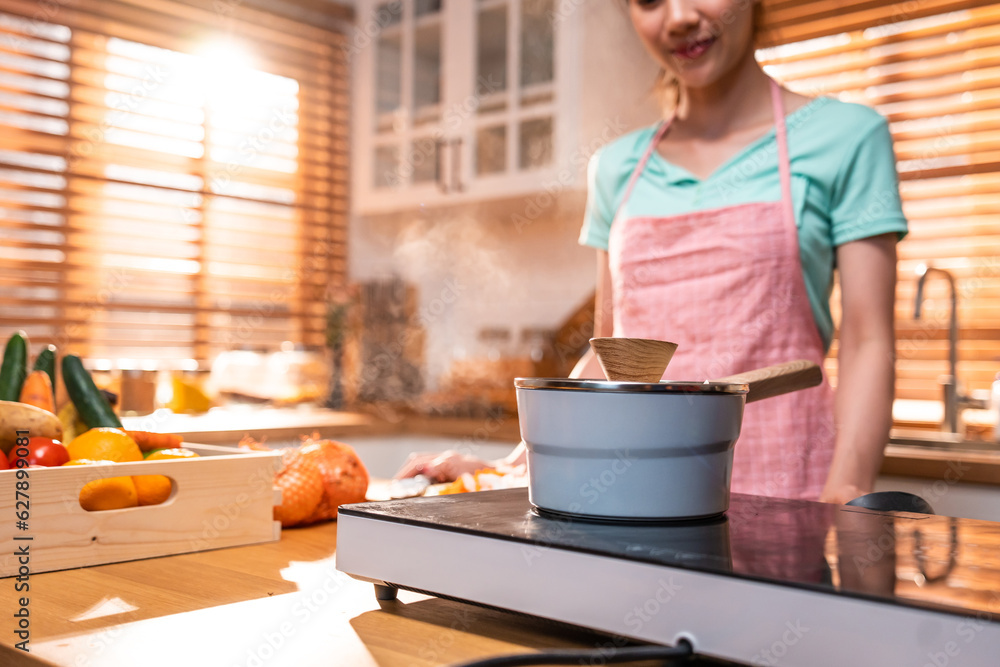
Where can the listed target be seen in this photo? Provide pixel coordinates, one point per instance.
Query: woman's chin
(697, 72)
(697, 80)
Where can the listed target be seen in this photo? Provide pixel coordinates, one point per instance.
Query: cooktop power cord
(670, 654)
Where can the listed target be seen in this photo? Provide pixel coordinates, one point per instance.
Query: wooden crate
(224, 498)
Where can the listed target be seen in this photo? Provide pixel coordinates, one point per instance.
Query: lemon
(188, 397)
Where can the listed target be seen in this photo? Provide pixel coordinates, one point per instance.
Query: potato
(23, 417)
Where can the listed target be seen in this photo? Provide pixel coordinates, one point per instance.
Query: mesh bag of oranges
(105, 446)
(315, 479)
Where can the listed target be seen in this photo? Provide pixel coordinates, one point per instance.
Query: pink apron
(726, 285)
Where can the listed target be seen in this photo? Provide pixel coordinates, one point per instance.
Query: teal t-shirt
(844, 186)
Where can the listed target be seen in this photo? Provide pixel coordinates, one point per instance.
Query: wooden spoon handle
(778, 379)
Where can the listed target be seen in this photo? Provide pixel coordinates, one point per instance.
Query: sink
(939, 440)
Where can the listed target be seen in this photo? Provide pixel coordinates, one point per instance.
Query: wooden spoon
(633, 359)
(645, 360)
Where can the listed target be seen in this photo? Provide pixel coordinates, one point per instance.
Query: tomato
(3, 461)
(43, 452)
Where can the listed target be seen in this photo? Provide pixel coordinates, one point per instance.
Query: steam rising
(464, 280)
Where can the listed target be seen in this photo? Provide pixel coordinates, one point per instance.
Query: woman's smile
(693, 50)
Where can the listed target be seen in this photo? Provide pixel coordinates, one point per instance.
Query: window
(169, 190)
(931, 68)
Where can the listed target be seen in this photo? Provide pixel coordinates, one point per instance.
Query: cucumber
(94, 409)
(14, 368)
(46, 361)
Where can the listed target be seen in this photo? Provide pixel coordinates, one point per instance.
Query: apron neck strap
(639, 168)
(780, 131)
(784, 164)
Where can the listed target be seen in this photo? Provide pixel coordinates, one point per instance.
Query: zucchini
(15, 367)
(46, 361)
(94, 409)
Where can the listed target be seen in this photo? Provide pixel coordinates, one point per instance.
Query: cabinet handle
(456, 165)
(439, 145)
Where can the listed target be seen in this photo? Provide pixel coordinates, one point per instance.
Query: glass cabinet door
(536, 84)
(388, 67)
(515, 86)
(426, 74)
(457, 99)
(408, 89)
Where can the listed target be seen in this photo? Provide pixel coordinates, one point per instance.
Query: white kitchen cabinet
(459, 101)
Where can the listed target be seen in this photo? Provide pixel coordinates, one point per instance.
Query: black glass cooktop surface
(924, 560)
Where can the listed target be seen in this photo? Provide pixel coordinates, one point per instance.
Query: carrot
(37, 391)
(149, 441)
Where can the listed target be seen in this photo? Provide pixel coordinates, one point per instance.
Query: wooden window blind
(173, 176)
(932, 68)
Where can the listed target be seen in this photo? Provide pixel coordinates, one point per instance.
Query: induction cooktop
(771, 582)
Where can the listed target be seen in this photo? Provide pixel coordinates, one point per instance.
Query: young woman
(719, 229)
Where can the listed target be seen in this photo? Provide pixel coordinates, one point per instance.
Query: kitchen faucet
(954, 401)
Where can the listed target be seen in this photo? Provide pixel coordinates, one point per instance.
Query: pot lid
(606, 386)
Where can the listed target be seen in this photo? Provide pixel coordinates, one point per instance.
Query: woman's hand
(449, 465)
(440, 467)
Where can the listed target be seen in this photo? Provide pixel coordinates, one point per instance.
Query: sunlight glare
(223, 68)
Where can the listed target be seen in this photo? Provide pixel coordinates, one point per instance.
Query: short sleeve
(866, 198)
(600, 209)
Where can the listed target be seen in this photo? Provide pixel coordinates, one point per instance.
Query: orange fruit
(112, 493)
(104, 444)
(154, 489)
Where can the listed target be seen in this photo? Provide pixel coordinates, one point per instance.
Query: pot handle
(778, 379)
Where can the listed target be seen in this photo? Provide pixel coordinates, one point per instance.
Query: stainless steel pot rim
(606, 386)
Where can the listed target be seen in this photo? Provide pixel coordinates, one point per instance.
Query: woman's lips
(693, 50)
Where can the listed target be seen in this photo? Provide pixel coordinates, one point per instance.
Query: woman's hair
(666, 88)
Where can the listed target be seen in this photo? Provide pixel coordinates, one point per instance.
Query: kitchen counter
(930, 414)
(275, 604)
(284, 602)
(952, 465)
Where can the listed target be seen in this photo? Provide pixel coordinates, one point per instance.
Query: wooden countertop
(284, 603)
(276, 604)
(950, 465)
(908, 413)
